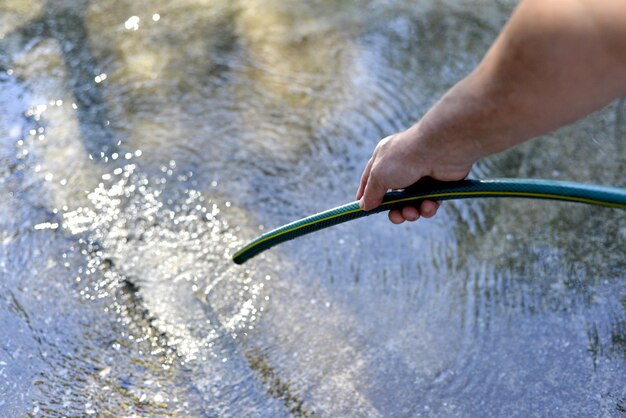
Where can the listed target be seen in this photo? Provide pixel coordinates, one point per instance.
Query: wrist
(454, 128)
(474, 118)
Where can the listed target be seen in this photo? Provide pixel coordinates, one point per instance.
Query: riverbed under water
(143, 142)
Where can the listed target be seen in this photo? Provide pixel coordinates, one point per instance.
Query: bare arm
(554, 62)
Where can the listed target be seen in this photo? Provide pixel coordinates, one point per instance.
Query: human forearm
(554, 62)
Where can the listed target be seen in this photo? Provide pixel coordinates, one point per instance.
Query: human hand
(400, 160)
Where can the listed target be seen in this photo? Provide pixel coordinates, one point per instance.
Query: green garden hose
(439, 190)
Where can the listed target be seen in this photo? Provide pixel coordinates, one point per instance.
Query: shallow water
(142, 142)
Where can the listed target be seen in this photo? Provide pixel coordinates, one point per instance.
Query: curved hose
(439, 190)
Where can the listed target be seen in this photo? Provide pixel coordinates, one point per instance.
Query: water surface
(141, 143)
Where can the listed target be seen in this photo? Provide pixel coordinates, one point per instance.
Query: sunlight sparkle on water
(132, 23)
(100, 78)
(132, 223)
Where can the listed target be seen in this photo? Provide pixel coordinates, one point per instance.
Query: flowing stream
(143, 142)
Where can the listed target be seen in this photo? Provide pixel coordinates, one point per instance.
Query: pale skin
(554, 62)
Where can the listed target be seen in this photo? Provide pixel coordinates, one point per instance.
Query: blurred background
(142, 142)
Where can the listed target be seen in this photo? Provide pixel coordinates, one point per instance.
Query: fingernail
(361, 203)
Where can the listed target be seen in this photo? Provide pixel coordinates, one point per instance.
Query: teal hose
(438, 190)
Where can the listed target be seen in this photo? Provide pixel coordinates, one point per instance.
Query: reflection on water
(142, 142)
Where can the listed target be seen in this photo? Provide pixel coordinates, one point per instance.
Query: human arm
(554, 62)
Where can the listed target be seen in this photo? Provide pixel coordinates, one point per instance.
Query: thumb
(373, 194)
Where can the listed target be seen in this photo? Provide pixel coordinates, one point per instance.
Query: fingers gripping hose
(438, 190)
